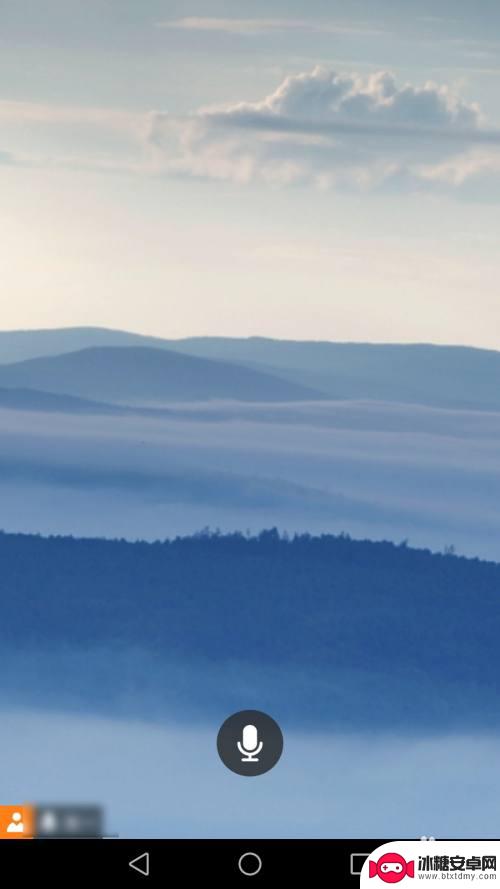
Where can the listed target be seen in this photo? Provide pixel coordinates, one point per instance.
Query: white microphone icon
(250, 746)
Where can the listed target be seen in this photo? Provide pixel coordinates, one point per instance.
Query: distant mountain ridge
(443, 376)
(33, 400)
(143, 375)
(22, 345)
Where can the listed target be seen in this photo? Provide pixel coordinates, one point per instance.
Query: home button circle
(250, 864)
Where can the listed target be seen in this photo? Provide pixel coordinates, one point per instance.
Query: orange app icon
(16, 822)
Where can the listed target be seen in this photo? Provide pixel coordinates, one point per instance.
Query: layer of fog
(168, 781)
(373, 470)
(127, 681)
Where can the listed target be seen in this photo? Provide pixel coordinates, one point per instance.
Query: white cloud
(320, 128)
(334, 130)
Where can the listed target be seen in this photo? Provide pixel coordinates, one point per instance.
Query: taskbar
(117, 862)
(277, 863)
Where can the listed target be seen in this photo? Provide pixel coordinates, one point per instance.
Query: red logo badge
(391, 868)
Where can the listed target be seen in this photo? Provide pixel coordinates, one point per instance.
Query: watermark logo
(407, 861)
(392, 868)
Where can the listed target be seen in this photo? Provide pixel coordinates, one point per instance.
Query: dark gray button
(250, 742)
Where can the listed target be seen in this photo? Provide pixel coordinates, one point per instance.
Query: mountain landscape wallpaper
(250, 412)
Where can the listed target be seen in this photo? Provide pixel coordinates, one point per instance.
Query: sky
(319, 170)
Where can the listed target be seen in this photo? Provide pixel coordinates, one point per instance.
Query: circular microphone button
(250, 742)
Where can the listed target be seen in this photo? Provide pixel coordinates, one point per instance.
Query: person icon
(16, 825)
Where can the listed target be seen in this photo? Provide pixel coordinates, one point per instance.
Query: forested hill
(425, 625)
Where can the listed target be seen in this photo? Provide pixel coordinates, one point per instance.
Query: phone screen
(249, 419)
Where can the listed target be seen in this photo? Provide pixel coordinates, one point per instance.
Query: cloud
(318, 128)
(255, 26)
(335, 130)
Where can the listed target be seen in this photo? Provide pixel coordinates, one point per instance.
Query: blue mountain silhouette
(137, 374)
(325, 630)
(446, 376)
